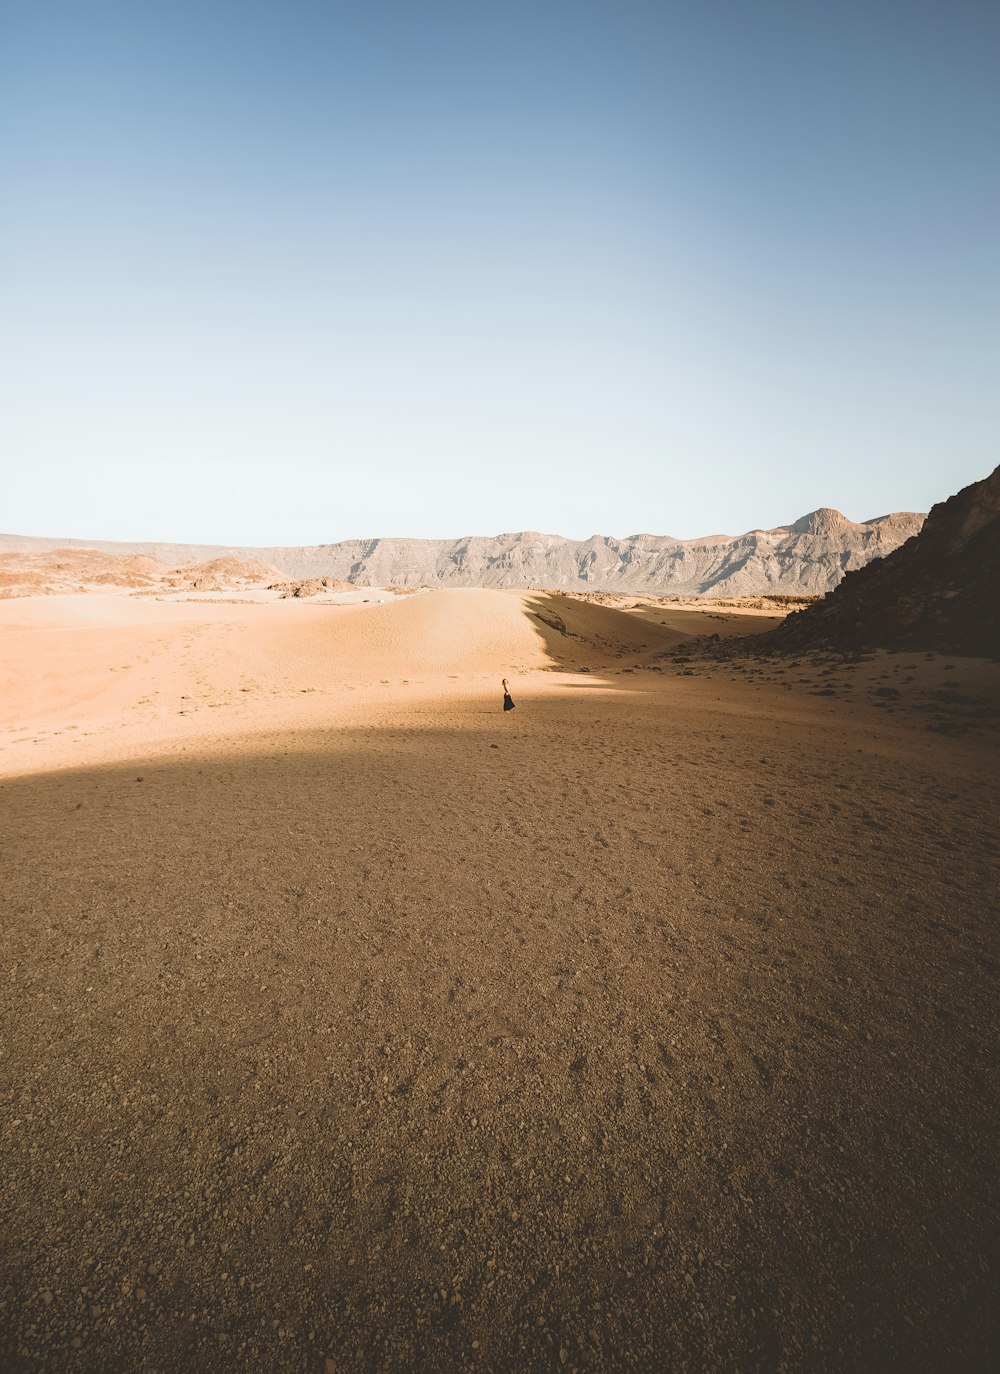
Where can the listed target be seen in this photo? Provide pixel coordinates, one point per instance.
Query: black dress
(508, 702)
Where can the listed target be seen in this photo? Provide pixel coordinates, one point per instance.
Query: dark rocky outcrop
(939, 591)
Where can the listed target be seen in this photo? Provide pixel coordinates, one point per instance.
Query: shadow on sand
(407, 1051)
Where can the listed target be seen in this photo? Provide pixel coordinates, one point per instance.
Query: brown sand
(350, 1025)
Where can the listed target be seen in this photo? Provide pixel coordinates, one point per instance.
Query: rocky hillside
(808, 557)
(939, 591)
(73, 570)
(63, 571)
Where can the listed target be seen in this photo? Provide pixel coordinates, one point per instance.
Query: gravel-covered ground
(651, 1028)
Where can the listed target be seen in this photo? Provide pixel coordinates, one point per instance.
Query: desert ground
(350, 1024)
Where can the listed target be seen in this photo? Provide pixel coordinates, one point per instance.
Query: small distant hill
(939, 591)
(807, 558)
(312, 586)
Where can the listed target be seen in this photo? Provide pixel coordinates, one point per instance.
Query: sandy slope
(351, 1025)
(120, 664)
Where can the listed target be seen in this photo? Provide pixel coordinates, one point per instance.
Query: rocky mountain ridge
(808, 557)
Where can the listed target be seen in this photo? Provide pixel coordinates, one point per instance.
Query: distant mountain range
(808, 557)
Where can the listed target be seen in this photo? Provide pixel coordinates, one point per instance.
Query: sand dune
(456, 631)
(350, 1025)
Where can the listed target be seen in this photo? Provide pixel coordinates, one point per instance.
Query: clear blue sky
(294, 272)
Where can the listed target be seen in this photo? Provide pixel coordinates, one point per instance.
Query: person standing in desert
(508, 700)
